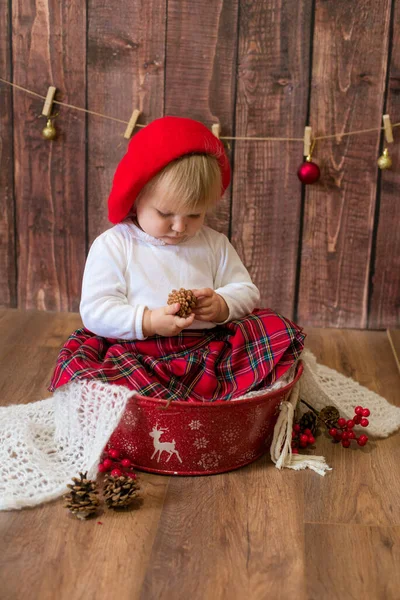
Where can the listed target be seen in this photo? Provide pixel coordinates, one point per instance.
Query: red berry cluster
(117, 464)
(344, 432)
(301, 438)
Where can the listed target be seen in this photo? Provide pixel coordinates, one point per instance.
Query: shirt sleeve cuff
(229, 305)
(138, 334)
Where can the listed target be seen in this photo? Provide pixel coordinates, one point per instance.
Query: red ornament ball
(341, 422)
(345, 443)
(113, 453)
(125, 462)
(364, 422)
(102, 468)
(357, 419)
(350, 424)
(366, 412)
(359, 410)
(116, 473)
(107, 463)
(308, 172)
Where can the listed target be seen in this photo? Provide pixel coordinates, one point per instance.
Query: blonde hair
(192, 182)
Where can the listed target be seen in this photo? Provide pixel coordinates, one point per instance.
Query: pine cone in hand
(330, 415)
(309, 421)
(82, 500)
(186, 299)
(120, 491)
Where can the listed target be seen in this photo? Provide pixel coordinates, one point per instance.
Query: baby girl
(175, 170)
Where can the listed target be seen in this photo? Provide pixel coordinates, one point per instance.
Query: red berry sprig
(344, 432)
(301, 439)
(112, 460)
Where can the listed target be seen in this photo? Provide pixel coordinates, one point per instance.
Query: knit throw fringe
(281, 447)
(44, 444)
(321, 386)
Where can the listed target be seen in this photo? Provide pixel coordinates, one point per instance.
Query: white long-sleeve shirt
(128, 270)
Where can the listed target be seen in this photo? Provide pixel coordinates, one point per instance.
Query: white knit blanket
(46, 443)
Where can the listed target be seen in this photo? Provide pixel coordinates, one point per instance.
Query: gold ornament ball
(384, 161)
(49, 132)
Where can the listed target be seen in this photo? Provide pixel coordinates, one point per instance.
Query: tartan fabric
(197, 365)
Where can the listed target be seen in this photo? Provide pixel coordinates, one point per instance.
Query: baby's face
(161, 221)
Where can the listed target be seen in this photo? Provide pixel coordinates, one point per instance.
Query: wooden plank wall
(385, 291)
(273, 84)
(8, 259)
(325, 255)
(48, 43)
(348, 79)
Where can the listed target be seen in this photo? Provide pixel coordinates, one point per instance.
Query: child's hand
(210, 306)
(163, 321)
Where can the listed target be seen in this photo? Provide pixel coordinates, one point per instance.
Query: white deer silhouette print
(161, 446)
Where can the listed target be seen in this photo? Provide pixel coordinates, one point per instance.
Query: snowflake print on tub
(258, 431)
(201, 443)
(255, 415)
(130, 419)
(195, 425)
(210, 460)
(257, 422)
(129, 448)
(248, 455)
(230, 435)
(232, 450)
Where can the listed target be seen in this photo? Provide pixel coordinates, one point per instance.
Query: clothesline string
(222, 137)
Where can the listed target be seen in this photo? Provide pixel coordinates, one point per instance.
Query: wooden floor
(256, 533)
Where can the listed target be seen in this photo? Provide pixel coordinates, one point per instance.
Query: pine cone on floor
(186, 299)
(82, 500)
(120, 491)
(330, 415)
(309, 421)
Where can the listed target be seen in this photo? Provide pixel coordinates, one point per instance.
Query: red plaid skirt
(223, 363)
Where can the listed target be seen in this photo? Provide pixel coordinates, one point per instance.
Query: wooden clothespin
(385, 161)
(49, 132)
(48, 105)
(131, 124)
(309, 171)
(307, 141)
(216, 129)
(388, 129)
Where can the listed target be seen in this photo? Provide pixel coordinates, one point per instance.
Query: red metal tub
(198, 438)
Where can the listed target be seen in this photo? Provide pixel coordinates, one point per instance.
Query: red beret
(151, 149)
